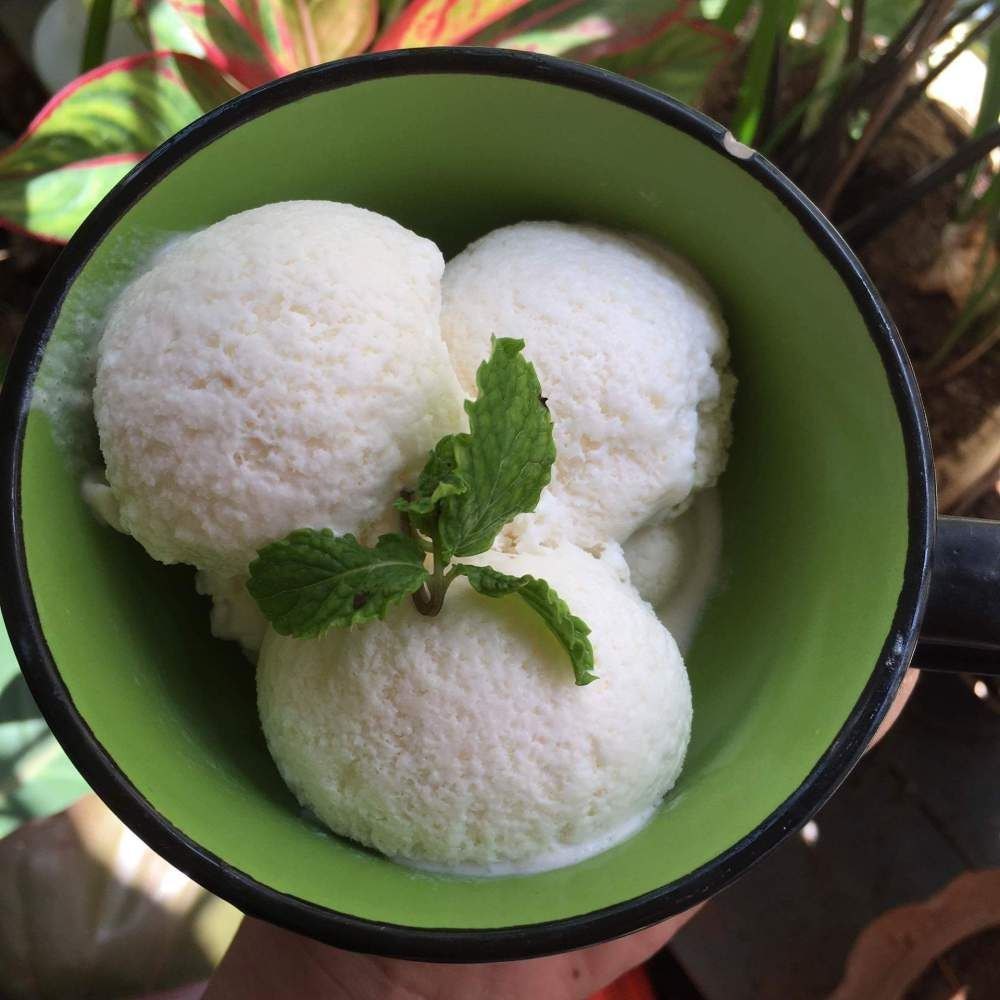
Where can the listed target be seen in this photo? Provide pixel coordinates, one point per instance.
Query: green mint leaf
(571, 631)
(439, 479)
(506, 458)
(312, 581)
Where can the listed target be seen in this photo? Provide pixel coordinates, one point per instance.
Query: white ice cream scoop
(461, 741)
(280, 369)
(631, 352)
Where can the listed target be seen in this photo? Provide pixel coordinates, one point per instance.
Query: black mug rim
(455, 944)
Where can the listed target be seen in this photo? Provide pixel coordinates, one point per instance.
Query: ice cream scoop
(460, 741)
(281, 369)
(631, 352)
(675, 564)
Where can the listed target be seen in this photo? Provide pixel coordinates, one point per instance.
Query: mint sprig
(471, 486)
(439, 479)
(313, 581)
(505, 459)
(571, 631)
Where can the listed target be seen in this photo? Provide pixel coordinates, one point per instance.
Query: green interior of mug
(814, 499)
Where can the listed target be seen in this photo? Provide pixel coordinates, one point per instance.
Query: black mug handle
(961, 629)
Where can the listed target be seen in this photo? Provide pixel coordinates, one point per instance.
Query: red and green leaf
(94, 130)
(224, 32)
(388, 10)
(564, 27)
(50, 206)
(443, 22)
(677, 60)
(164, 28)
(662, 44)
(254, 41)
(307, 32)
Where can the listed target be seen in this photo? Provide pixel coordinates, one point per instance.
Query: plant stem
(869, 222)
(906, 34)
(95, 42)
(985, 344)
(833, 69)
(989, 110)
(856, 32)
(960, 14)
(814, 157)
(914, 93)
(988, 203)
(775, 19)
(893, 92)
(772, 92)
(29, 762)
(971, 311)
(801, 110)
(731, 15)
(430, 598)
(406, 526)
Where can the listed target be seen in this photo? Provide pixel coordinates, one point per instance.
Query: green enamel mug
(829, 518)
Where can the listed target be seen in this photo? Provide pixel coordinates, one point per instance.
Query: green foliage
(313, 581)
(886, 17)
(95, 43)
(471, 486)
(732, 12)
(832, 74)
(772, 29)
(440, 478)
(255, 42)
(443, 22)
(583, 29)
(505, 459)
(989, 109)
(677, 60)
(571, 631)
(95, 129)
(53, 203)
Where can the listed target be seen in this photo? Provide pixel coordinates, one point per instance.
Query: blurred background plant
(885, 112)
(838, 94)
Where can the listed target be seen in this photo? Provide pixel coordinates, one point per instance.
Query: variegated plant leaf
(254, 41)
(677, 60)
(443, 22)
(307, 32)
(593, 27)
(94, 130)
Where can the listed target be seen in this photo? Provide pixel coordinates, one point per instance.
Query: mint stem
(430, 598)
(407, 529)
